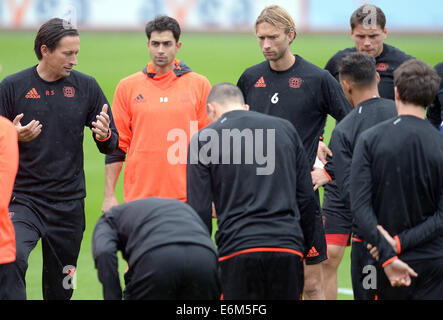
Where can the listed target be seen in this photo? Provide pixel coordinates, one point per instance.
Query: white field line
(346, 291)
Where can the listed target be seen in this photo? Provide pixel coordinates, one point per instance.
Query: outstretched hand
(28, 132)
(101, 126)
(399, 273)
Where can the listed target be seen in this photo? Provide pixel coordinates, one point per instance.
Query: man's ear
(210, 109)
(385, 33)
(397, 96)
(346, 85)
(44, 50)
(291, 36)
(378, 77)
(246, 107)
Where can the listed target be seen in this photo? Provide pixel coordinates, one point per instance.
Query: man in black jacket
(288, 86)
(368, 31)
(435, 112)
(359, 80)
(169, 252)
(57, 103)
(397, 183)
(255, 170)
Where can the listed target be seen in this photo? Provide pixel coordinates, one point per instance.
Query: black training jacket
(397, 182)
(137, 227)
(389, 60)
(51, 165)
(255, 170)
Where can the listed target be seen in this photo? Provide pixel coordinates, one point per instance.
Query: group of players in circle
(382, 172)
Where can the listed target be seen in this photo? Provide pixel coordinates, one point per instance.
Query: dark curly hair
(163, 23)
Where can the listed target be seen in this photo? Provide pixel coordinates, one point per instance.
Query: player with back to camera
(266, 209)
(369, 32)
(396, 190)
(359, 80)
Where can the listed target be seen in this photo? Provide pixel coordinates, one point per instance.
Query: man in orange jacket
(8, 171)
(156, 111)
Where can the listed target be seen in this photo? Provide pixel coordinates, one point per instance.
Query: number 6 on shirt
(274, 98)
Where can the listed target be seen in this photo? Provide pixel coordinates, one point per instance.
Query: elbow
(110, 147)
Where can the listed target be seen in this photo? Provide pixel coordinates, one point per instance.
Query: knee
(313, 289)
(335, 255)
(332, 262)
(313, 282)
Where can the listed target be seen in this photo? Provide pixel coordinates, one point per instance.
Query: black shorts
(427, 286)
(262, 275)
(337, 217)
(338, 226)
(60, 226)
(319, 250)
(174, 272)
(364, 284)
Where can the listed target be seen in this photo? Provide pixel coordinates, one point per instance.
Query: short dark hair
(360, 16)
(360, 68)
(50, 34)
(163, 23)
(224, 93)
(416, 82)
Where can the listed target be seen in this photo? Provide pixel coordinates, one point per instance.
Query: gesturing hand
(322, 151)
(28, 132)
(399, 273)
(319, 178)
(101, 126)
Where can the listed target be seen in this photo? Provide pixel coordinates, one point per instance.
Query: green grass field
(111, 56)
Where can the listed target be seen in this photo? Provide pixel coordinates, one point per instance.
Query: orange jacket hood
(180, 69)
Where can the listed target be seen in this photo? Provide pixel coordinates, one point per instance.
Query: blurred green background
(220, 57)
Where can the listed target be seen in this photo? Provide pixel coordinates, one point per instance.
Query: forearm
(361, 191)
(342, 178)
(428, 230)
(110, 143)
(112, 173)
(342, 151)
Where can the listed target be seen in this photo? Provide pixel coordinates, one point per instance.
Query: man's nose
(74, 60)
(161, 48)
(267, 43)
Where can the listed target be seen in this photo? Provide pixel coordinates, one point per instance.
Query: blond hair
(277, 16)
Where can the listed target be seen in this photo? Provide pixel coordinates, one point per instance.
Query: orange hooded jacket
(8, 171)
(156, 117)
